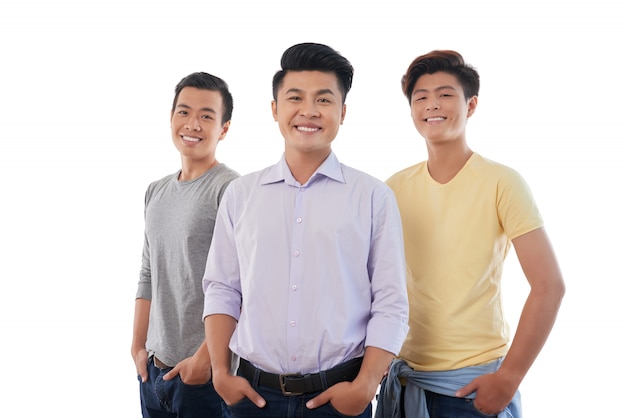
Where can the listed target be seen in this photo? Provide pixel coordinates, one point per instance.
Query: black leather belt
(291, 384)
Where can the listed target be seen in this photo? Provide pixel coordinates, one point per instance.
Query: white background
(85, 95)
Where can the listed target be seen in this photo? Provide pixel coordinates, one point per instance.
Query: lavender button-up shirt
(313, 273)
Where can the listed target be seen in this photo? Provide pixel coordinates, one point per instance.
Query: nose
(309, 108)
(433, 105)
(192, 124)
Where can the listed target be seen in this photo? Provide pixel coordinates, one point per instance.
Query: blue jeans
(174, 399)
(442, 406)
(281, 406)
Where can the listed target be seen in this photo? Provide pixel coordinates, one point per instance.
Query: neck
(193, 169)
(446, 160)
(302, 166)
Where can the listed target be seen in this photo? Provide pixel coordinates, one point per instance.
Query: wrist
(513, 377)
(201, 356)
(136, 349)
(220, 371)
(367, 386)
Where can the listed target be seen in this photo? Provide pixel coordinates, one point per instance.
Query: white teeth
(305, 129)
(190, 139)
(434, 119)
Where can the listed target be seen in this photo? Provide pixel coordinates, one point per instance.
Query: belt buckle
(281, 381)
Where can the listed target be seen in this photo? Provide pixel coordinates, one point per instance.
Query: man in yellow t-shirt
(460, 214)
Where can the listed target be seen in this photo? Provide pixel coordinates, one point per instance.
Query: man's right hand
(233, 389)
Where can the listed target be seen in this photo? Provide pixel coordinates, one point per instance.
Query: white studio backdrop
(86, 90)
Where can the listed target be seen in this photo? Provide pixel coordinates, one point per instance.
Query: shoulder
(496, 170)
(355, 176)
(399, 179)
(506, 183)
(367, 186)
(217, 179)
(225, 172)
(160, 183)
(164, 180)
(247, 181)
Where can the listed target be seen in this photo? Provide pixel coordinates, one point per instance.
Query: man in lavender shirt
(305, 278)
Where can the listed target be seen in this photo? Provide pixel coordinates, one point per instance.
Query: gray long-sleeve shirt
(179, 221)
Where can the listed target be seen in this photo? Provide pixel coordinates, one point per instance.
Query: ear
(224, 130)
(343, 114)
(471, 105)
(274, 111)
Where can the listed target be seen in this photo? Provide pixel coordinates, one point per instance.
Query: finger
(171, 374)
(466, 390)
(321, 399)
(255, 397)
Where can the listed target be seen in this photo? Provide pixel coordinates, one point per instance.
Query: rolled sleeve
(221, 284)
(388, 325)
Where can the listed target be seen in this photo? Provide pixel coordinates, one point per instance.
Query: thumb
(321, 399)
(172, 373)
(255, 398)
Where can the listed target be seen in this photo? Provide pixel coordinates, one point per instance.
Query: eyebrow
(318, 93)
(204, 109)
(436, 89)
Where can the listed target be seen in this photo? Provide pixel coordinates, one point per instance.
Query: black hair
(206, 81)
(314, 57)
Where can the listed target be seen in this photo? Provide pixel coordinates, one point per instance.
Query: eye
(182, 112)
(294, 98)
(325, 100)
(207, 117)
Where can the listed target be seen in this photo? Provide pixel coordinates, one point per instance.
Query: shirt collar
(330, 168)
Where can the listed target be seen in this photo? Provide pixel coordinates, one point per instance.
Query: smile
(190, 138)
(305, 129)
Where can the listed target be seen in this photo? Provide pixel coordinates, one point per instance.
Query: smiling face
(309, 110)
(439, 108)
(196, 124)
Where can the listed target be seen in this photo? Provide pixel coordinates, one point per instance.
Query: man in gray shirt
(168, 347)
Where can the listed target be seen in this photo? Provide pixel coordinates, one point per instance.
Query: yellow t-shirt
(456, 237)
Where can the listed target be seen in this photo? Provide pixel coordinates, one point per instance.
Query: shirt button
(292, 323)
(294, 358)
(296, 253)
(294, 287)
(299, 220)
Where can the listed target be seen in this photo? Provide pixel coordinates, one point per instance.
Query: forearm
(534, 327)
(218, 331)
(201, 356)
(547, 289)
(375, 365)
(140, 325)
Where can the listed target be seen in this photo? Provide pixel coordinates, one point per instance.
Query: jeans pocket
(244, 408)
(335, 412)
(481, 413)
